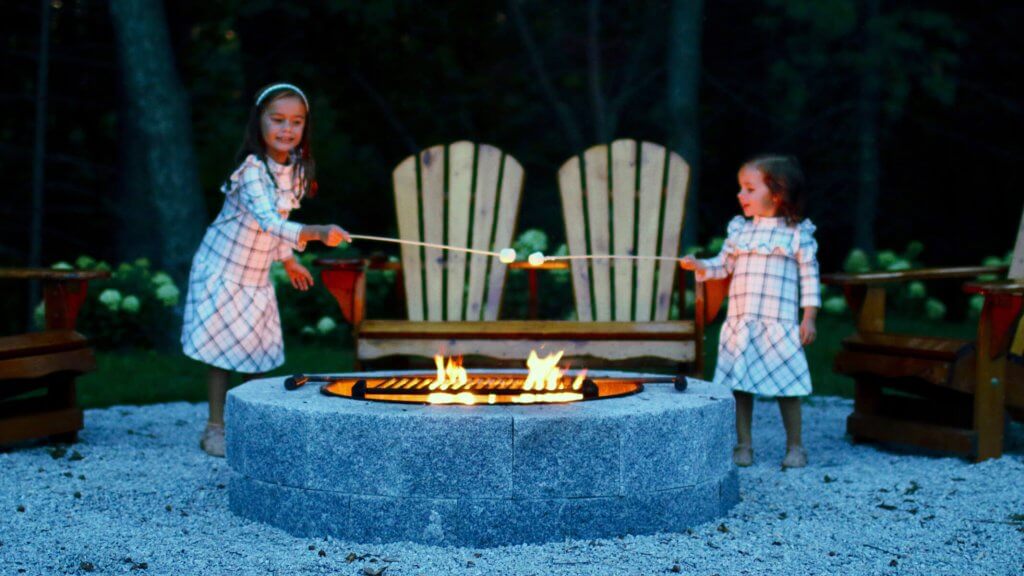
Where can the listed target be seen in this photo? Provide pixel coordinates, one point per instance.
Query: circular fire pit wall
(314, 465)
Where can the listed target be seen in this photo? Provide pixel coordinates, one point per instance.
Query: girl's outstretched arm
(258, 199)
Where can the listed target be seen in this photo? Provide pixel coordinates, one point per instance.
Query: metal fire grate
(479, 388)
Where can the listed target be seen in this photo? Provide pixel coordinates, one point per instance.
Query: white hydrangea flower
(326, 325)
(130, 304)
(111, 298)
(62, 266)
(308, 330)
(168, 294)
(161, 278)
(84, 262)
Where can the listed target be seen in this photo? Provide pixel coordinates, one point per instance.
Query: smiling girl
(771, 255)
(231, 321)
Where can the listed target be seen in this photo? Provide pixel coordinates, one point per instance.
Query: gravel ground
(137, 496)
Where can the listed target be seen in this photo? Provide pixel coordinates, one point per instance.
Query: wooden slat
(432, 210)
(947, 349)
(1017, 263)
(623, 223)
(508, 214)
(407, 206)
(40, 343)
(78, 361)
(571, 189)
(865, 426)
(460, 189)
(854, 363)
(672, 226)
(671, 350)
(652, 171)
(487, 172)
(32, 418)
(51, 274)
(595, 166)
(519, 329)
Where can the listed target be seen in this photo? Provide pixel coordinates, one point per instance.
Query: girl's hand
(334, 235)
(808, 330)
(299, 275)
(690, 263)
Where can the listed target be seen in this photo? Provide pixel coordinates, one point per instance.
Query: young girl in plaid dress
(771, 255)
(231, 319)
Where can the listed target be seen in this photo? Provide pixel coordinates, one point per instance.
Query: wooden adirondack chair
(49, 360)
(629, 198)
(951, 394)
(464, 194)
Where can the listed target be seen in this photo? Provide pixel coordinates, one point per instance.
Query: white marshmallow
(507, 255)
(536, 259)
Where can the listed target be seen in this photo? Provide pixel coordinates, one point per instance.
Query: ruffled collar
(765, 222)
(278, 168)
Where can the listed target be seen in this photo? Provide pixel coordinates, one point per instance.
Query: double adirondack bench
(624, 198)
(38, 370)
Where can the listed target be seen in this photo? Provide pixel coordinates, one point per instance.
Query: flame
(452, 376)
(544, 383)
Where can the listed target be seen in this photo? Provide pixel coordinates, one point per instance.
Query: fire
(452, 376)
(544, 383)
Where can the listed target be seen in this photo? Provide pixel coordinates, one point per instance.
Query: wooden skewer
(426, 244)
(611, 256)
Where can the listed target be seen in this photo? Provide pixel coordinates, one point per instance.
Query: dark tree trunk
(684, 65)
(162, 210)
(35, 257)
(868, 127)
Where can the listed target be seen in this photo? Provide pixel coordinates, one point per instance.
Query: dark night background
(918, 103)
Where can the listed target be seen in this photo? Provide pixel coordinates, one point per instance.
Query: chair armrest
(871, 278)
(64, 291)
(346, 281)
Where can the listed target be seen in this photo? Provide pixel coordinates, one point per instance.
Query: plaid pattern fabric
(231, 319)
(774, 273)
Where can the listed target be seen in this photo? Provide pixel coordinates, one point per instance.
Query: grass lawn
(149, 377)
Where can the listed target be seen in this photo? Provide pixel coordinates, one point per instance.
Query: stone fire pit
(658, 461)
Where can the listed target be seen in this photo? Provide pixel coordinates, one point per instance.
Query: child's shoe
(796, 457)
(743, 455)
(212, 441)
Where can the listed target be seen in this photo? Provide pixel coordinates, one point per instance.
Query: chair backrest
(626, 198)
(463, 194)
(1017, 264)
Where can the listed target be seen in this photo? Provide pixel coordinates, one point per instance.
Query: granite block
(566, 457)
(416, 455)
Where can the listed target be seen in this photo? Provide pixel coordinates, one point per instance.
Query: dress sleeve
(257, 197)
(722, 265)
(807, 259)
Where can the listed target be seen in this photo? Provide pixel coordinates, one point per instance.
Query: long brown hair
(784, 177)
(252, 142)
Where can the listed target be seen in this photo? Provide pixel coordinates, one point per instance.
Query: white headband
(273, 87)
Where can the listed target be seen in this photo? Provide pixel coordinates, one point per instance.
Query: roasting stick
(506, 255)
(538, 258)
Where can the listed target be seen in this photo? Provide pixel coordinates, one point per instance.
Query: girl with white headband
(231, 319)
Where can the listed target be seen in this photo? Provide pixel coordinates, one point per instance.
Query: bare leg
(791, 420)
(796, 456)
(743, 453)
(744, 414)
(217, 390)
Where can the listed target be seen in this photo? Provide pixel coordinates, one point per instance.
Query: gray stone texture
(480, 475)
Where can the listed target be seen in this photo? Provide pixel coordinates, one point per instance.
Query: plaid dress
(231, 317)
(774, 273)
